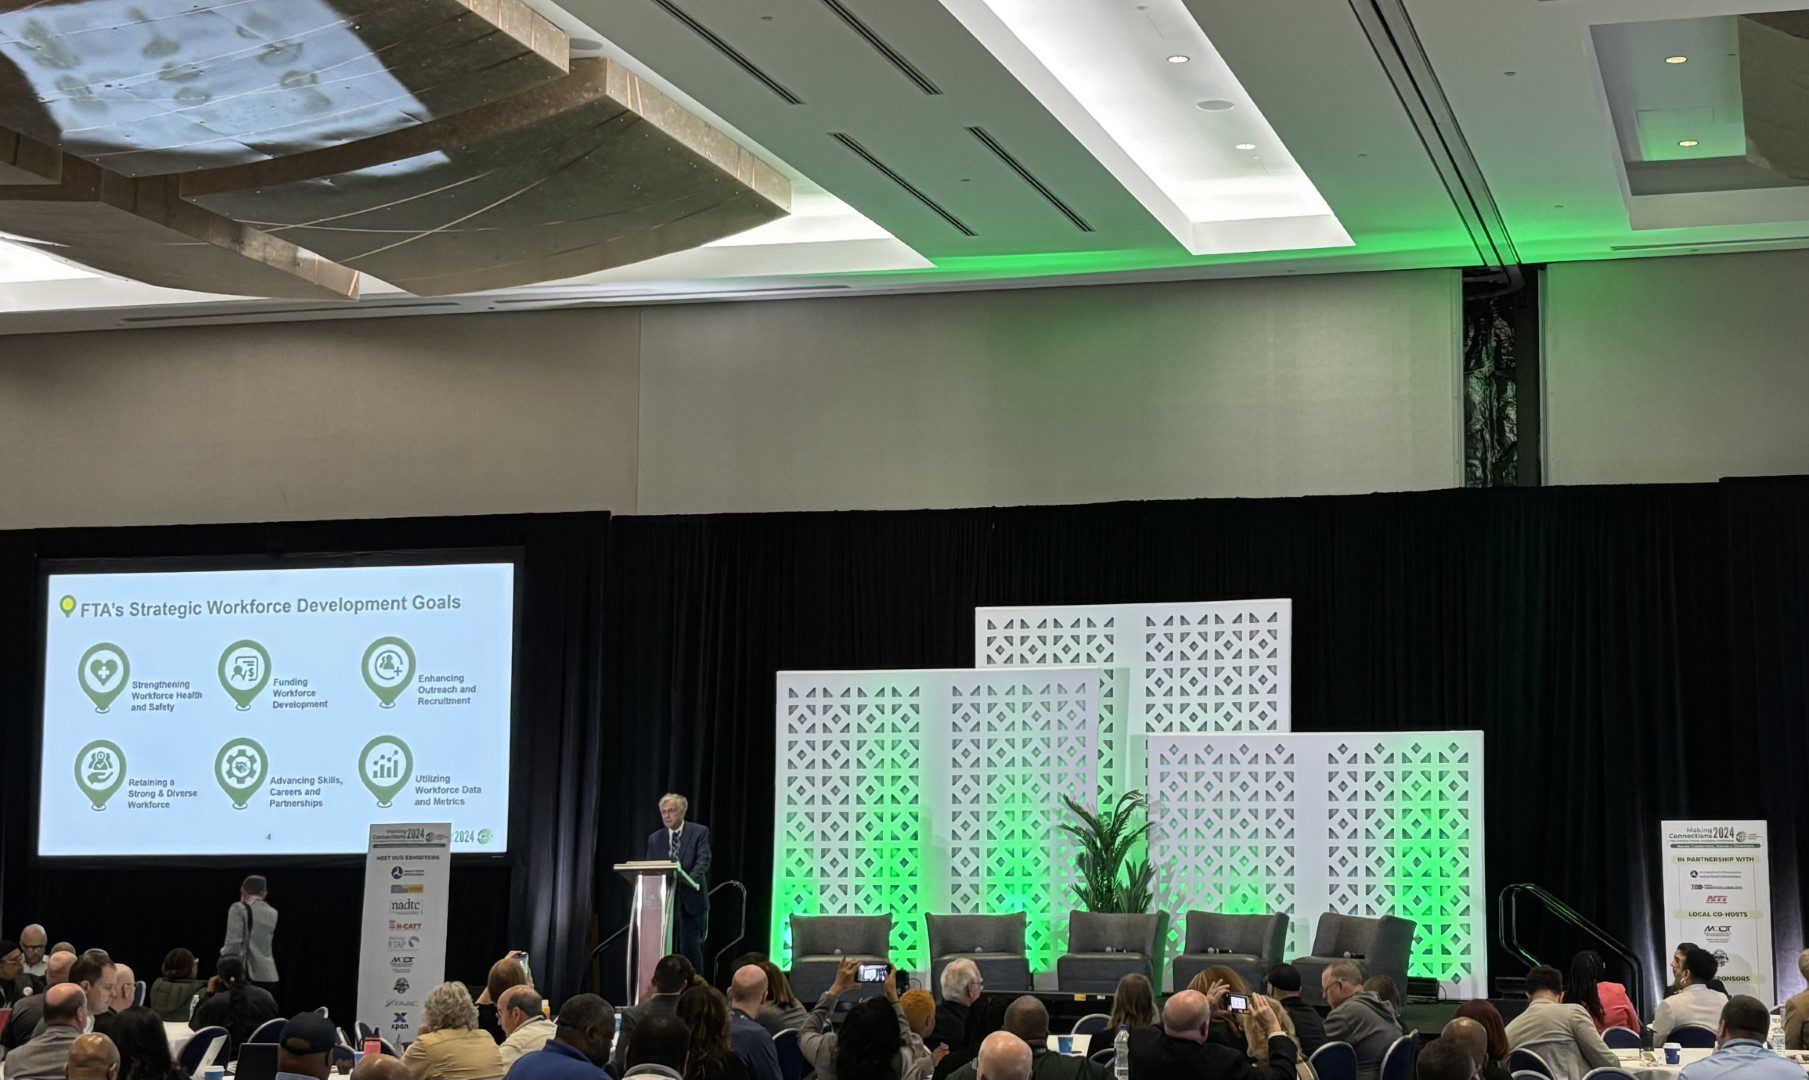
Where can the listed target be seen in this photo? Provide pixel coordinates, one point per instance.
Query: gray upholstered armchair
(995, 943)
(1378, 946)
(819, 943)
(1247, 944)
(1103, 948)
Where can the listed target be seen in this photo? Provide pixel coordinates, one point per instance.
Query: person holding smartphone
(874, 1042)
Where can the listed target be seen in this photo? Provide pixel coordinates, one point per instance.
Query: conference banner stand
(1718, 895)
(402, 949)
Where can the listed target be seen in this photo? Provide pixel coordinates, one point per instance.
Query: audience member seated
(14, 986)
(672, 976)
(1475, 1038)
(1679, 957)
(380, 1067)
(174, 991)
(985, 1017)
(747, 993)
(580, 1048)
(961, 987)
(1181, 1050)
(305, 1047)
(1796, 1010)
(658, 1047)
(1606, 1002)
(1740, 1049)
(1563, 1035)
(32, 940)
(92, 1057)
(1244, 1028)
(29, 1012)
(1218, 983)
(874, 1042)
(525, 1027)
(1133, 1005)
(1004, 1056)
(94, 972)
(919, 1010)
(451, 1046)
(1485, 1013)
(1358, 1017)
(1695, 1002)
(1383, 987)
(65, 1017)
(231, 1002)
(711, 1056)
(781, 1011)
(1445, 1059)
(505, 973)
(144, 1046)
(124, 982)
(1028, 1019)
(1308, 1025)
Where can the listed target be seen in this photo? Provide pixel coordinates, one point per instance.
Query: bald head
(748, 989)
(1028, 1019)
(125, 988)
(92, 1057)
(1185, 1016)
(380, 1067)
(1003, 1056)
(1472, 1035)
(65, 1004)
(56, 967)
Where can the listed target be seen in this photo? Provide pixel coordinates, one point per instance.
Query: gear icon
(241, 767)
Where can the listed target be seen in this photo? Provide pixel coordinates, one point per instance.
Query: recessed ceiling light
(1179, 59)
(1677, 59)
(1688, 142)
(1246, 146)
(1215, 105)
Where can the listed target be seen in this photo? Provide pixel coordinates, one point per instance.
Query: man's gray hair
(957, 977)
(1345, 971)
(684, 804)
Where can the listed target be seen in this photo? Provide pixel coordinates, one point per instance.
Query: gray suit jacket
(1563, 1035)
(253, 946)
(43, 1057)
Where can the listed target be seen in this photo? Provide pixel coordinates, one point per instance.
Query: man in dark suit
(1309, 1026)
(687, 844)
(1181, 1049)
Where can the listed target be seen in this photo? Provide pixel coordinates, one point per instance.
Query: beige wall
(460, 414)
(1275, 387)
(1677, 369)
(1284, 386)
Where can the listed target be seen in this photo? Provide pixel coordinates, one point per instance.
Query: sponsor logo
(1712, 898)
(396, 872)
(1723, 928)
(1720, 957)
(400, 889)
(484, 836)
(404, 906)
(402, 963)
(400, 1023)
(401, 986)
(394, 926)
(1695, 873)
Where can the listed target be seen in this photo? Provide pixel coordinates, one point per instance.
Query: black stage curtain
(1584, 630)
(537, 898)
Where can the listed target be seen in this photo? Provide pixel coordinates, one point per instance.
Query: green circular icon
(239, 768)
(244, 671)
(100, 770)
(389, 666)
(103, 673)
(386, 765)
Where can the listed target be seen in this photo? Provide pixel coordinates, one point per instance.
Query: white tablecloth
(1634, 1061)
(179, 1036)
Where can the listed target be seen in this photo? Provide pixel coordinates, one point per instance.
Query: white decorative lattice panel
(909, 792)
(1168, 668)
(1371, 824)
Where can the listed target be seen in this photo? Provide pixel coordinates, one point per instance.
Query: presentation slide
(275, 712)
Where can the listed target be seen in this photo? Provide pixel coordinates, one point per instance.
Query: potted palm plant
(1110, 880)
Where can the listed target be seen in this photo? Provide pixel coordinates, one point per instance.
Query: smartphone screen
(1237, 1003)
(871, 973)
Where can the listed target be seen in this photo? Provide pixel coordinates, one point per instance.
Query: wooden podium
(650, 920)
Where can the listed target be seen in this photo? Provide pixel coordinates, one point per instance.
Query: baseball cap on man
(309, 1033)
